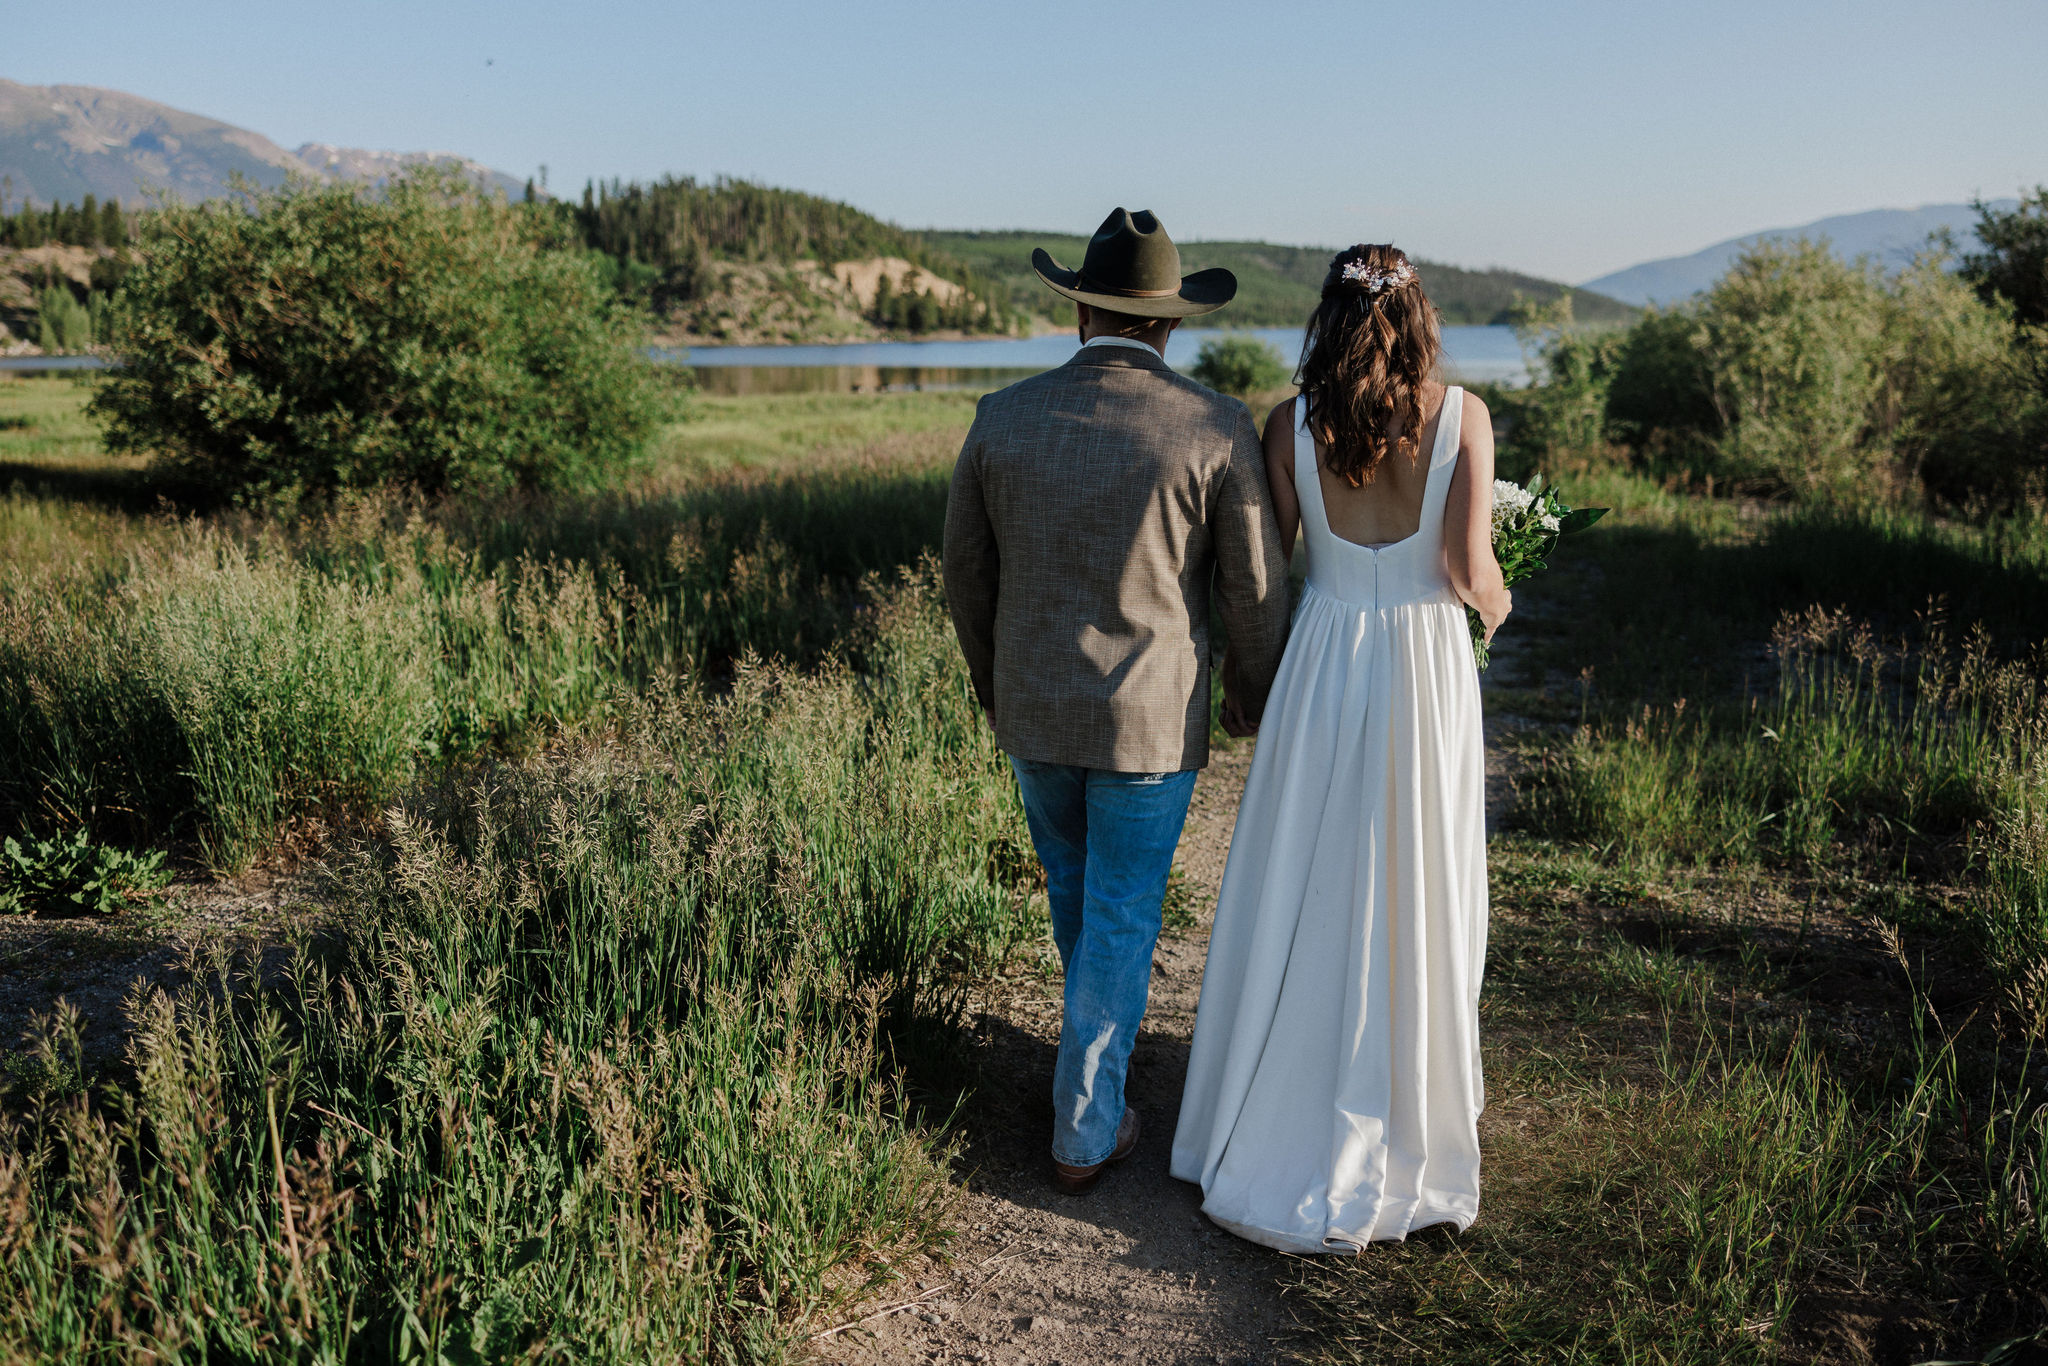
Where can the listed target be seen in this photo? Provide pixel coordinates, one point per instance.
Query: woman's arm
(1279, 443)
(1468, 521)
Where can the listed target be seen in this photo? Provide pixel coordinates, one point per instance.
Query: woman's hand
(1493, 610)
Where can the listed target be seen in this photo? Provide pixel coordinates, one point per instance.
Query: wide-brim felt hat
(1132, 266)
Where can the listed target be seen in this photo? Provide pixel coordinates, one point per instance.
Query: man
(1091, 509)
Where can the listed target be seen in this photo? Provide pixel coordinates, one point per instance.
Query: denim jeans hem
(1090, 1162)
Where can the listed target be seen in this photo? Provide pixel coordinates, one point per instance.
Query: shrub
(1558, 422)
(2014, 263)
(1791, 340)
(64, 325)
(75, 876)
(320, 338)
(1660, 402)
(1239, 365)
(1798, 374)
(1963, 410)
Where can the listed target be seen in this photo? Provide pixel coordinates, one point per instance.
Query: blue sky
(1565, 139)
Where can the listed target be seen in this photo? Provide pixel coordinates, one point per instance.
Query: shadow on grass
(102, 486)
(1666, 611)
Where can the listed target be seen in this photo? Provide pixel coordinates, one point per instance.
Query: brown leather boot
(1081, 1180)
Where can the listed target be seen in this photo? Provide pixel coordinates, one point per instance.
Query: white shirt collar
(1119, 341)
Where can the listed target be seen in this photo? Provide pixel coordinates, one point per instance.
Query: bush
(1791, 339)
(1558, 422)
(1660, 402)
(75, 876)
(1239, 365)
(64, 324)
(322, 339)
(2014, 263)
(1800, 375)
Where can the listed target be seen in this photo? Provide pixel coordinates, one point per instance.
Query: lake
(1470, 353)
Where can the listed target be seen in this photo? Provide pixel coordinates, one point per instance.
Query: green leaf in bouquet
(1535, 484)
(1578, 519)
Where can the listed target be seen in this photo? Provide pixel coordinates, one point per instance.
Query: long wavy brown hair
(1367, 360)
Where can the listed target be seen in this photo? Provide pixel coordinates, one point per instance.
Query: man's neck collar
(1124, 341)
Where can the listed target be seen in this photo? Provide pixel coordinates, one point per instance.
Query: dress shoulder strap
(1443, 458)
(1308, 484)
(1450, 430)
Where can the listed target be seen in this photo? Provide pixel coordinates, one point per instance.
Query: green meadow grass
(671, 842)
(206, 681)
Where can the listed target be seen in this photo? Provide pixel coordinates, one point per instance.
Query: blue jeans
(1107, 841)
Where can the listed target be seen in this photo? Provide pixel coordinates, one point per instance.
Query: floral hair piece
(1373, 280)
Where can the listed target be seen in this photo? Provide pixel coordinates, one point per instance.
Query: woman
(1333, 1092)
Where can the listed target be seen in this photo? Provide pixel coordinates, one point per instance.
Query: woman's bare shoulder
(1280, 419)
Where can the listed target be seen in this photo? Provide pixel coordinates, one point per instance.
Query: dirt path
(1132, 1273)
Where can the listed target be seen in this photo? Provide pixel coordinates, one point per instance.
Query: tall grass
(1692, 1164)
(219, 680)
(1917, 753)
(598, 1069)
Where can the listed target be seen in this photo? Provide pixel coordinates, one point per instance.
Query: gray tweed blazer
(1091, 509)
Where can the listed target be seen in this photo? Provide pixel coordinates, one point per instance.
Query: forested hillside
(711, 258)
(1276, 286)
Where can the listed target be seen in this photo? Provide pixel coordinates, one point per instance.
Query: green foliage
(665, 238)
(88, 223)
(1557, 422)
(1801, 376)
(218, 683)
(1660, 394)
(1791, 340)
(603, 1063)
(1276, 286)
(2013, 266)
(75, 876)
(1239, 365)
(321, 339)
(64, 324)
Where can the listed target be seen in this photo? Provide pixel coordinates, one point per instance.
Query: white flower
(1373, 279)
(1550, 522)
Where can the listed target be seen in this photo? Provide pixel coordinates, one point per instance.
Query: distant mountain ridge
(1890, 236)
(59, 143)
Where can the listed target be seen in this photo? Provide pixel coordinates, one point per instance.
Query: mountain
(1889, 236)
(59, 143)
(1276, 286)
(353, 163)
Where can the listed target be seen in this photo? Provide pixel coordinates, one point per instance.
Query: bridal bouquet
(1526, 525)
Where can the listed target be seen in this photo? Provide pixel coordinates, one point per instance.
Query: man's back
(1089, 508)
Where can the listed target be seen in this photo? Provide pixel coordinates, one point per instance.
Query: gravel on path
(1131, 1272)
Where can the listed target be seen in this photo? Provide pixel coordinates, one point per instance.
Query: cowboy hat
(1132, 266)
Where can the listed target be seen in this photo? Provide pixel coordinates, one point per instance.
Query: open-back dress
(1333, 1092)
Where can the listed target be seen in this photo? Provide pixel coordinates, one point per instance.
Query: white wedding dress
(1333, 1091)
